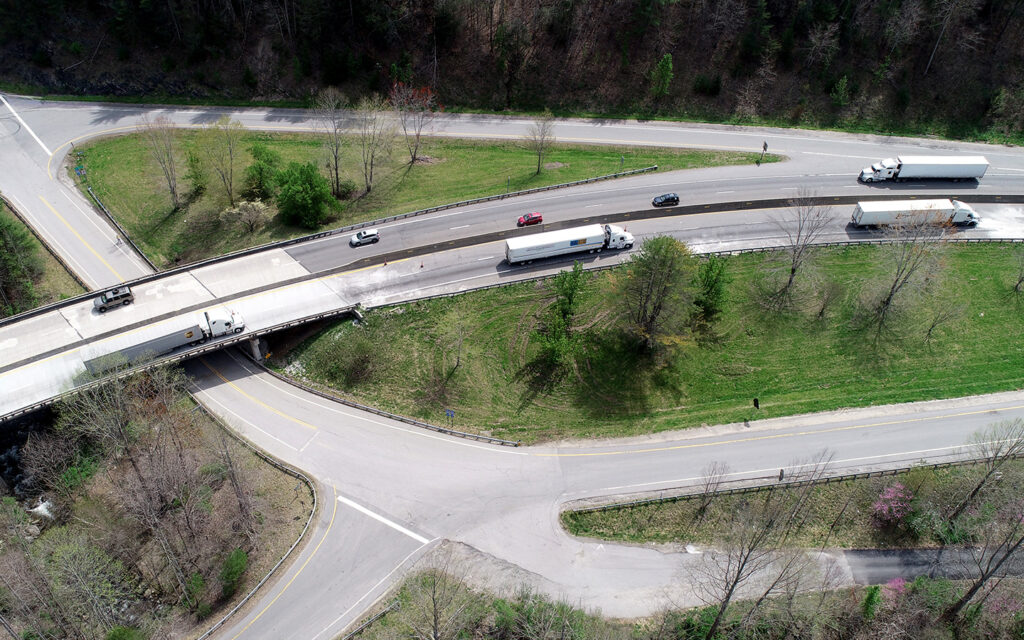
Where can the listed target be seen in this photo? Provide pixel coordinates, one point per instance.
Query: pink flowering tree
(892, 507)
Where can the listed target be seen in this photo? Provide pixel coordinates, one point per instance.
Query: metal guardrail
(284, 243)
(722, 252)
(395, 604)
(220, 343)
(286, 469)
(120, 229)
(740, 205)
(284, 325)
(693, 492)
(46, 245)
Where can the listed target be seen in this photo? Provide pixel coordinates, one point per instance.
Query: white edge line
(352, 412)
(209, 398)
(372, 589)
(379, 518)
(25, 124)
(798, 466)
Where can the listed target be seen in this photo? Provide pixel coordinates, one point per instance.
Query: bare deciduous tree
(999, 545)
(441, 605)
(904, 25)
(951, 12)
(375, 130)
(329, 107)
(1018, 285)
(91, 583)
(416, 110)
(220, 145)
(159, 136)
(46, 457)
(754, 543)
(801, 230)
(712, 477)
(242, 493)
(822, 44)
(914, 243)
(996, 445)
(29, 592)
(540, 136)
(828, 293)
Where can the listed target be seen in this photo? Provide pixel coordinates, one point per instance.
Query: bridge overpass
(294, 282)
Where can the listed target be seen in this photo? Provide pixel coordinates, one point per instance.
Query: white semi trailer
(918, 167)
(888, 212)
(592, 238)
(206, 325)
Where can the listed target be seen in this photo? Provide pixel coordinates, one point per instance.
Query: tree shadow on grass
(538, 377)
(615, 377)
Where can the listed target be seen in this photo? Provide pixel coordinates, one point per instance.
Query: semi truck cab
(880, 170)
(617, 237)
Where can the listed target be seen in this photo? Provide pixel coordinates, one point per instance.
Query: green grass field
(55, 283)
(838, 514)
(794, 363)
(129, 182)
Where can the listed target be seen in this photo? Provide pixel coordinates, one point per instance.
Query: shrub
(259, 176)
(194, 588)
(195, 172)
(895, 589)
(711, 281)
(125, 633)
(304, 195)
(892, 507)
(841, 92)
(345, 189)
(872, 598)
(661, 76)
(234, 566)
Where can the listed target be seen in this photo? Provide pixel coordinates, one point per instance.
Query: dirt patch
(429, 160)
(555, 165)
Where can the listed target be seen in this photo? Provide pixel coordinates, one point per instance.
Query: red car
(530, 218)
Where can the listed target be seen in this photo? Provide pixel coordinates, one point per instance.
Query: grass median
(839, 514)
(476, 354)
(34, 276)
(129, 182)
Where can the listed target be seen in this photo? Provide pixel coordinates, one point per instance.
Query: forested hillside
(946, 66)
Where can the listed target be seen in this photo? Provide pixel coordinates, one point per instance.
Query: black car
(666, 200)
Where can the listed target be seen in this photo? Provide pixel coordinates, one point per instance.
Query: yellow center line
(256, 400)
(81, 239)
(289, 583)
(775, 436)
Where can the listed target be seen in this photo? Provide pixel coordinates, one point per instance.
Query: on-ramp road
(392, 492)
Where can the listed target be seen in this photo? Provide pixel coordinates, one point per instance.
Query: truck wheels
(238, 329)
(103, 309)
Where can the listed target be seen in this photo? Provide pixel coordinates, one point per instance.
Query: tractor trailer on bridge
(919, 167)
(591, 238)
(206, 325)
(889, 212)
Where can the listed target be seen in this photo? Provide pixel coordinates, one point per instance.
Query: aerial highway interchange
(390, 492)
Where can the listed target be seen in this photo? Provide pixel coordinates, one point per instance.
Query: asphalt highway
(391, 493)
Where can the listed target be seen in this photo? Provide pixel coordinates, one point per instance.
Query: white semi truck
(592, 238)
(206, 325)
(917, 167)
(888, 212)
